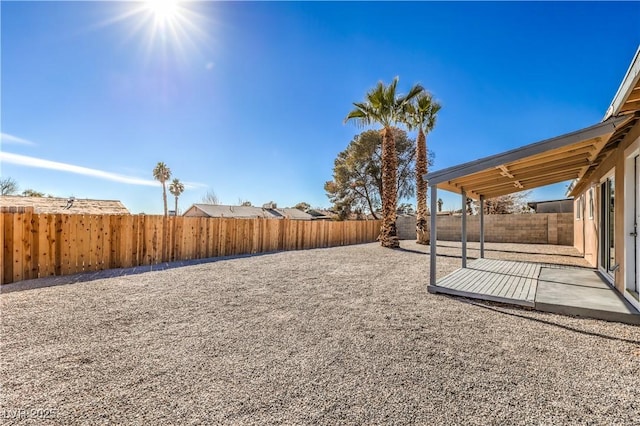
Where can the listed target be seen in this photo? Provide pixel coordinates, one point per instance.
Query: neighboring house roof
(552, 206)
(56, 205)
(247, 212)
(321, 214)
(240, 212)
(291, 213)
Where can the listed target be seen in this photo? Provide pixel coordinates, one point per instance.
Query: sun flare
(163, 10)
(172, 29)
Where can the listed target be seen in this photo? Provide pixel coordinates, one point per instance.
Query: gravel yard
(345, 335)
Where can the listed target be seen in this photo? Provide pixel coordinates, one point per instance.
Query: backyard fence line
(40, 245)
(538, 228)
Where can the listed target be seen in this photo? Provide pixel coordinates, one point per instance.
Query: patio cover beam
(482, 227)
(464, 229)
(433, 236)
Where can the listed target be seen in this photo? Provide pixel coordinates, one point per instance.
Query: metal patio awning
(559, 159)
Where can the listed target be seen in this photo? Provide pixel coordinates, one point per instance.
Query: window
(591, 206)
(579, 208)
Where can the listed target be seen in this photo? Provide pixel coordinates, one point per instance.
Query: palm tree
(176, 188)
(384, 106)
(422, 116)
(162, 173)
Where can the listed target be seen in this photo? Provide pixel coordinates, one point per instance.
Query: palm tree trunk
(388, 235)
(422, 234)
(176, 214)
(164, 198)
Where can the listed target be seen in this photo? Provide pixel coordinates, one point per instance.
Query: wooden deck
(496, 280)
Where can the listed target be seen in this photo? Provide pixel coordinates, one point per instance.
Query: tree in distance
(162, 173)
(406, 208)
(176, 188)
(32, 193)
(357, 173)
(210, 198)
(505, 204)
(302, 206)
(8, 186)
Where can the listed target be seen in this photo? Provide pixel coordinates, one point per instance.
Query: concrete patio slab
(581, 292)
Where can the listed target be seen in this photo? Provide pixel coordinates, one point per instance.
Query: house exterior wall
(587, 233)
(195, 212)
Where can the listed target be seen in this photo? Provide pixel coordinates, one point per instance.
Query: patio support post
(433, 235)
(482, 227)
(464, 228)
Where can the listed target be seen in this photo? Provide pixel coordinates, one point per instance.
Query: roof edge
(599, 129)
(628, 83)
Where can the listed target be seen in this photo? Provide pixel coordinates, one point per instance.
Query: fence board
(18, 228)
(126, 240)
(7, 264)
(146, 240)
(45, 264)
(27, 247)
(67, 266)
(57, 244)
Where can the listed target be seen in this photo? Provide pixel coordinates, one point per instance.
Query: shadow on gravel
(532, 252)
(112, 273)
(452, 256)
(537, 253)
(512, 314)
(406, 250)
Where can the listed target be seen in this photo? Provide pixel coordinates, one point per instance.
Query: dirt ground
(345, 335)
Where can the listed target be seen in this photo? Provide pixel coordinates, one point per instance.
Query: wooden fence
(39, 245)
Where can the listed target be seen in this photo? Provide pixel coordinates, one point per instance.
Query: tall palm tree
(176, 188)
(384, 106)
(162, 173)
(422, 114)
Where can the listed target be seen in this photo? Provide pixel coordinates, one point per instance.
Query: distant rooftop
(246, 212)
(56, 205)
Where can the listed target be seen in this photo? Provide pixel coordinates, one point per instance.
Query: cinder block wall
(406, 227)
(541, 228)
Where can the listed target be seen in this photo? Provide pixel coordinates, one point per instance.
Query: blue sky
(248, 99)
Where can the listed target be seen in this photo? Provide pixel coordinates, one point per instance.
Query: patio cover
(550, 161)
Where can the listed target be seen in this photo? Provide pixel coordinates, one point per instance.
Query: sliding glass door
(607, 226)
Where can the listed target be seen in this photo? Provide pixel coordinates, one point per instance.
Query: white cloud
(39, 163)
(10, 139)
(194, 185)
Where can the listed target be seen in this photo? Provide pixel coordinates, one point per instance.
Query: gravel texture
(344, 335)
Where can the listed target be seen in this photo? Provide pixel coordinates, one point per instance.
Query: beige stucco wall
(586, 233)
